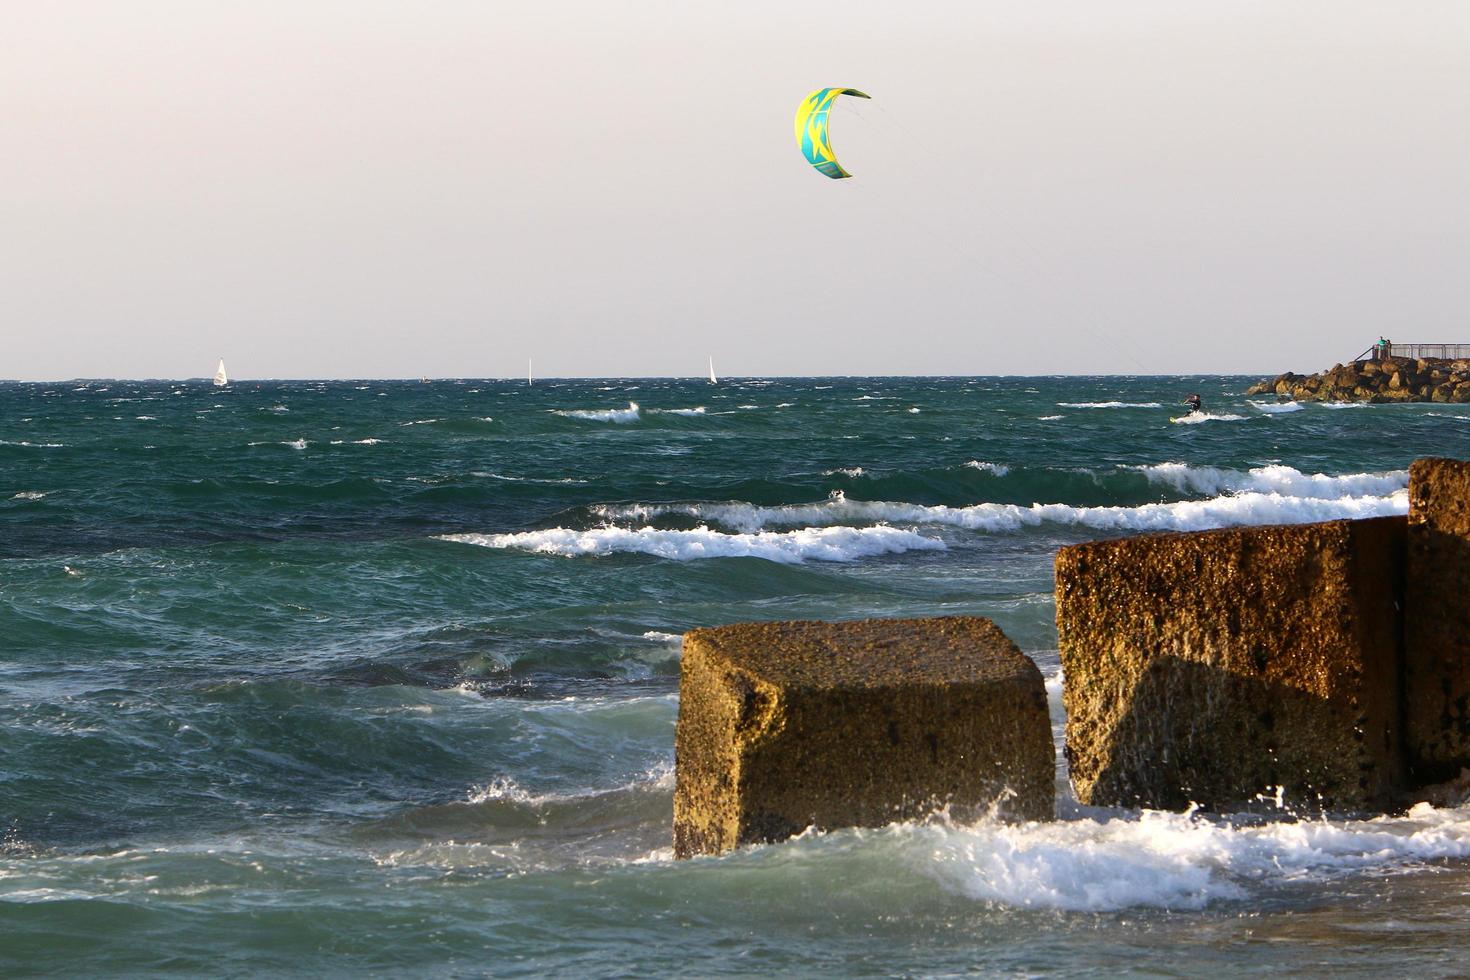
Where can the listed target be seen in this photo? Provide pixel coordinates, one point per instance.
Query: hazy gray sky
(360, 188)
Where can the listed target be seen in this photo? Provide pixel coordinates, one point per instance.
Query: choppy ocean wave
(1246, 507)
(1276, 478)
(815, 543)
(1276, 408)
(258, 713)
(629, 414)
(1168, 860)
(1112, 404)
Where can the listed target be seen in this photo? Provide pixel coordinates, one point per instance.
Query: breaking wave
(1169, 860)
(629, 414)
(1110, 405)
(1246, 508)
(1279, 479)
(787, 547)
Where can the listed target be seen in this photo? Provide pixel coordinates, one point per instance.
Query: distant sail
(712, 379)
(529, 382)
(220, 378)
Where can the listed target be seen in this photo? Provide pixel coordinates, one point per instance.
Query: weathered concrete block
(1210, 667)
(1437, 623)
(784, 726)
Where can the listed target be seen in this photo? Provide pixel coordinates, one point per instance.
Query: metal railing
(1448, 352)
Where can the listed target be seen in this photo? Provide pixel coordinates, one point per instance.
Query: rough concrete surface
(785, 726)
(1437, 626)
(1211, 667)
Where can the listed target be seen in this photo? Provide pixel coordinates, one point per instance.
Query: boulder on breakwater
(1391, 379)
(1208, 668)
(789, 725)
(1437, 627)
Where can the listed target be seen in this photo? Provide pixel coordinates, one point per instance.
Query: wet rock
(1437, 626)
(784, 726)
(1211, 667)
(1391, 379)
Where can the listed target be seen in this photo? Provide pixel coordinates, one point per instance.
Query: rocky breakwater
(1394, 379)
(790, 725)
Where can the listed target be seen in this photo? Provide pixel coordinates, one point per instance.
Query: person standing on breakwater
(1194, 403)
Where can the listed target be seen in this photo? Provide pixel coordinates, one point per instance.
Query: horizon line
(205, 379)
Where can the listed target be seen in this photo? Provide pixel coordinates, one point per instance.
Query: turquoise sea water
(382, 676)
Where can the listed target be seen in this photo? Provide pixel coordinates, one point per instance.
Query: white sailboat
(529, 382)
(220, 377)
(712, 379)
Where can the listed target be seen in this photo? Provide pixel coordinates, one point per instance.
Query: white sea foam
(787, 547)
(659, 777)
(1195, 418)
(1336, 405)
(999, 469)
(1049, 418)
(366, 442)
(29, 495)
(852, 471)
(1109, 405)
(1248, 508)
(913, 411)
(278, 409)
(1169, 860)
(659, 637)
(697, 410)
(629, 414)
(420, 422)
(295, 443)
(33, 445)
(506, 788)
(1284, 480)
(146, 418)
(1276, 408)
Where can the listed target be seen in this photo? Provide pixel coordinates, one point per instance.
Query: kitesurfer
(1194, 403)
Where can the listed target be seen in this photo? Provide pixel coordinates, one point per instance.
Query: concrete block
(1211, 667)
(785, 726)
(1437, 626)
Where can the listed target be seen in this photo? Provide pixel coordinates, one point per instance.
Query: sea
(380, 677)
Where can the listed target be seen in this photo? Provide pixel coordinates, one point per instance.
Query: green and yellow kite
(811, 130)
